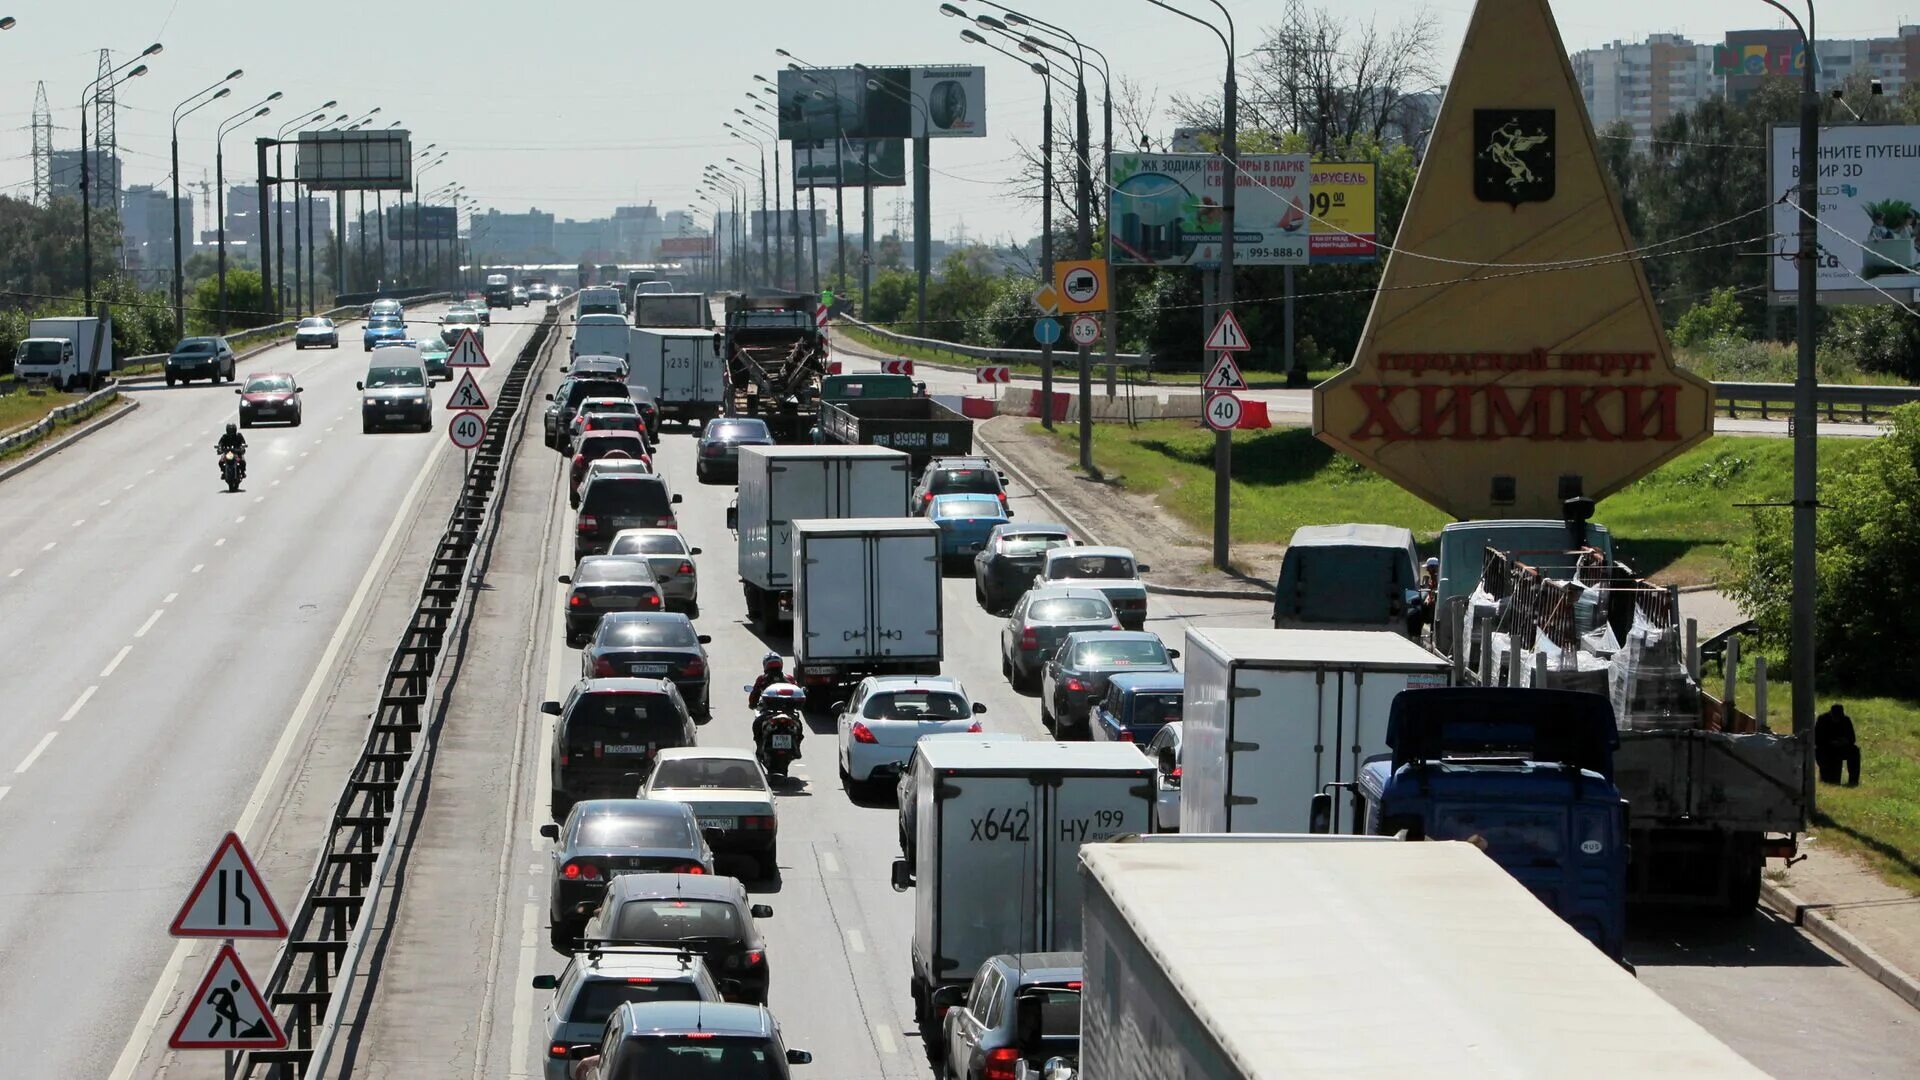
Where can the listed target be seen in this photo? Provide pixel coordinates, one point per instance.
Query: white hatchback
(888, 714)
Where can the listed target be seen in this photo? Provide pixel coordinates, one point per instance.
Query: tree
(246, 303)
(1718, 316)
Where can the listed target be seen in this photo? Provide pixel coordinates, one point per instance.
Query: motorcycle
(778, 727)
(233, 468)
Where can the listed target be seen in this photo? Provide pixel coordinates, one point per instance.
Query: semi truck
(866, 599)
(890, 410)
(71, 352)
(775, 357)
(1268, 957)
(682, 367)
(780, 485)
(997, 830)
(1274, 716)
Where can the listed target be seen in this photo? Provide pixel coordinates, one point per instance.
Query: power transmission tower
(105, 170)
(42, 148)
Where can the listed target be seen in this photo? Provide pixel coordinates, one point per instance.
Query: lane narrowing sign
(1227, 335)
(467, 352)
(229, 900)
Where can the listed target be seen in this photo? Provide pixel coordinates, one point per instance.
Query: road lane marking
(163, 987)
(170, 597)
(77, 522)
(276, 483)
(74, 708)
(222, 542)
(150, 472)
(170, 457)
(27, 762)
(148, 625)
(240, 520)
(883, 1039)
(3, 792)
(104, 502)
(854, 941)
(259, 498)
(18, 572)
(828, 863)
(523, 991)
(115, 662)
(197, 567)
(49, 546)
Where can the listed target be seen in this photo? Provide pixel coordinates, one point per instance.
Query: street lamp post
(767, 271)
(280, 214)
(779, 233)
(922, 191)
(813, 210)
(112, 78)
(419, 249)
(826, 92)
(218, 90)
(737, 190)
(237, 120)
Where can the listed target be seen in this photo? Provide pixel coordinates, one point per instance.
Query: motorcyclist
(770, 672)
(233, 440)
(765, 707)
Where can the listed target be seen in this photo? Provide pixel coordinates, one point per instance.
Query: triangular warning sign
(1227, 335)
(229, 900)
(227, 1012)
(1513, 353)
(1225, 375)
(467, 352)
(467, 394)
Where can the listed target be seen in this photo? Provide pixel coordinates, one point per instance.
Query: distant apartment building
(148, 229)
(1749, 57)
(64, 172)
(517, 237)
(1644, 83)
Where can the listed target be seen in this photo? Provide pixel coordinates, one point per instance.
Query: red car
(269, 395)
(591, 446)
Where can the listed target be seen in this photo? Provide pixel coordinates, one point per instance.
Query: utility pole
(1805, 651)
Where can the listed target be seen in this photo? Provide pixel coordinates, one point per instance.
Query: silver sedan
(671, 558)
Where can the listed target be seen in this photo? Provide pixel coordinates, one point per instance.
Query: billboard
(355, 160)
(439, 223)
(1165, 209)
(1346, 219)
(940, 102)
(1869, 189)
(685, 247)
(820, 164)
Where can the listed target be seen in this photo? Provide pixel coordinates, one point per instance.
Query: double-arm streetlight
(419, 239)
(779, 246)
(279, 210)
(769, 271)
(194, 102)
(94, 89)
(734, 191)
(238, 120)
(922, 185)
(826, 91)
(771, 89)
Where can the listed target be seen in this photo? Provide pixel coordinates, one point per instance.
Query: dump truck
(890, 410)
(775, 357)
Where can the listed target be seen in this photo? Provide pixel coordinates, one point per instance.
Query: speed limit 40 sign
(466, 430)
(1223, 412)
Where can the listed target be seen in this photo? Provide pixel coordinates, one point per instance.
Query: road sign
(820, 315)
(1082, 284)
(467, 394)
(1223, 412)
(229, 900)
(1227, 335)
(466, 430)
(1085, 329)
(993, 374)
(1225, 375)
(1046, 331)
(227, 1012)
(896, 367)
(1046, 299)
(467, 352)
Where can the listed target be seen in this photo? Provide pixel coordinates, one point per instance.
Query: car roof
(1149, 681)
(706, 1017)
(722, 753)
(1060, 592)
(694, 886)
(612, 433)
(616, 961)
(1042, 967)
(1079, 636)
(625, 685)
(1025, 528)
(963, 462)
(616, 617)
(962, 496)
(269, 375)
(915, 682)
(1087, 551)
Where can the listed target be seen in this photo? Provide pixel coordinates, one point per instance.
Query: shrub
(1718, 316)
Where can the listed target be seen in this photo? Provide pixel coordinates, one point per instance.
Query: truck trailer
(683, 369)
(1281, 957)
(775, 356)
(866, 599)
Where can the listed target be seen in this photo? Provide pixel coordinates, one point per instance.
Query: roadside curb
(1087, 534)
(105, 417)
(1814, 919)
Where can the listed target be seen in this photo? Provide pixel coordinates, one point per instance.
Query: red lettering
(1504, 421)
(1453, 420)
(1583, 419)
(1380, 423)
(1663, 412)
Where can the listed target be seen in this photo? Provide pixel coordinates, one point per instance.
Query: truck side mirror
(363, 386)
(733, 519)
(902, 875)
(1142, 568)
(761, 911)
(1320, 813)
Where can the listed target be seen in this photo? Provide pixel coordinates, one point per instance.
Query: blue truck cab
(1527, 776)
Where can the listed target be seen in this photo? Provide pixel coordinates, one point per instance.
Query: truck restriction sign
(466, 430)
(1223, 412)
(1085, 329)
(1082, 284)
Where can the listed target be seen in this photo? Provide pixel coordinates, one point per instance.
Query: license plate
(650, 669)
(626, 748)
(396, 416)
(632, 523)
(614, 602)
(780, 742)
(707, 822)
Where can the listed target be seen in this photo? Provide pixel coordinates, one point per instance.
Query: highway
(163, 642)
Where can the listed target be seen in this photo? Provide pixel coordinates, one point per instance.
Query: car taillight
(557, 1051)
(1175, 774)
(685, 567)
(691, 868)
(863, 734)
(1031, 640)
(603, 668)
(1075, 685)
(579, 462)
(653, 599)
(575, 871)
(1117, 626)
(588, 523)
(758, 822)
(576, 600)
(712, 450)
(974, 728)
(999, 1063)
(1003, 500)
(694, 669)
(1125, 735)
(756, 957)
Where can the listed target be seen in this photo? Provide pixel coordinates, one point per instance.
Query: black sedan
(603, 839)
(1012, 555)
(209, 358)
(651, 645)
(717, 457)
(704, 914)
(603, 583)
(1077, 673)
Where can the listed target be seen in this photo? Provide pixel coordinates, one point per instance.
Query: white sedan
(888, 714)
(730, 797)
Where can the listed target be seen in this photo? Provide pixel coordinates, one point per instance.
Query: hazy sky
(576, 107)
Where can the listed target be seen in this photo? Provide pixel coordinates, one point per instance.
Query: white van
(601, 300)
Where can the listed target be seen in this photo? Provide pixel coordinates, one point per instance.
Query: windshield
(385, 322)
(635, 496)
(734, 432)
(602, 571)
(598, 408)
(1059, 1011)
(1019, 544)
(672, 920)
(608, 421)
(270, 384)
(649, 544)
(1091, 566)
(395, 376)
(632, 830)
(664, 633)
(646, 715)
(946, 480)
(194, 345)
(916, 705)
(1127, 653)
(1511, 837)
(323, 324)
(730, 773)
(462, 317)
(597, 999)
(580, 390)
(960, 508)
(679, 1057)
(43, 352)
(1070, 609)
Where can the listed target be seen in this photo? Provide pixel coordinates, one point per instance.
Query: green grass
(1675, 523)
(59, 426)
(1165, 378)
(20, 408)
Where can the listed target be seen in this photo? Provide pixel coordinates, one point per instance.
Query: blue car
(1136, 707)
(965, 520)
(382, 329)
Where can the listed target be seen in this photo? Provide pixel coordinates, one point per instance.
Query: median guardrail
(315, 969)
(44, 426)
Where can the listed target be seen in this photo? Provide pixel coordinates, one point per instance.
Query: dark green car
(434, 354)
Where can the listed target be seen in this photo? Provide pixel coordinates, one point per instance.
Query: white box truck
(683, 369)
(1267, 957)
(690, 311)
(601, 335)
(780, 485)
(67, 351)
(866, 599)
(1272, 716)
(998, 827)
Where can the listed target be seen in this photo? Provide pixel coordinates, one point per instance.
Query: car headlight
(373, 401)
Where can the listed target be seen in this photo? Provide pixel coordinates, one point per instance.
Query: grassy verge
(59, 426)
(1675, 523)
(20, 408)
(937, 356)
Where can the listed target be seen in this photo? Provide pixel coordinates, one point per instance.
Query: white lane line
(163, 987)
(170, 597)
(241, 520)
(106, 502)
(303, 453)
(854, 941)
(170, 457)
(197, 567)
(148, 625)
(18, 572)
(27, 762)
(222, 542)
(523, 990)
(3, 792)
(189, 446)
(115, 662)
(827, 862)
(276, 483)
(259, 498)
(129, 487)
(883, 1039)
(78, 703)
(77, 522)
(49, 546)
(329, 430)
(150, 472)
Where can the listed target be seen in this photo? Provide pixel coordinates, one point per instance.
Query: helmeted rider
(233, 440)
(770, 672)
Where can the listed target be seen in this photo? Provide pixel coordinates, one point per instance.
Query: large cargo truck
(866, 599)
(71, 352)
(776, 355)
(683, 369)
(890, 410)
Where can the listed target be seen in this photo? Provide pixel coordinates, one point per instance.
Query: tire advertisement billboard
(818, 104)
